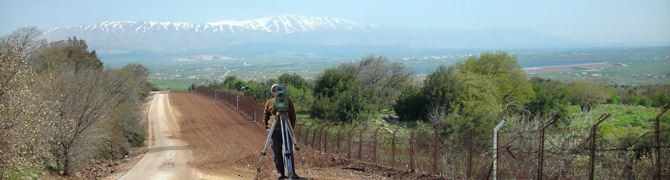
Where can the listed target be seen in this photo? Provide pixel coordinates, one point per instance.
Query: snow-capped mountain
(275, 24)
(183, 36)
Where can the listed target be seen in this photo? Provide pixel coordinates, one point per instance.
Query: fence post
(495, 148)
(658, 142)
(338, 138)
(393, 147)
(360, 143)
(540, 163)
(325, 139)
(321, 137)
(439, 126)
(411, 150)
(593, 145)
(349, 147)
(297, 130)
(306, 136)
(374, 147)
(318, 144)
(314, 138)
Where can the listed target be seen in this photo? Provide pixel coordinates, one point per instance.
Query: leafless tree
(385, 77)
(26, 38)
(84, 101)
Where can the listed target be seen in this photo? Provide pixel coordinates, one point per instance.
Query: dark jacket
(270, 114)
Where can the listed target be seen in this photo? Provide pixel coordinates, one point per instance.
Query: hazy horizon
(644, 23)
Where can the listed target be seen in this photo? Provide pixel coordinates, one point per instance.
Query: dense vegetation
(468, 98)
(60, 108)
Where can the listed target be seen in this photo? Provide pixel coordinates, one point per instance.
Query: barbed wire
(519, 144)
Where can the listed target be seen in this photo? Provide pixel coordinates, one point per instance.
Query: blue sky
(642, 22)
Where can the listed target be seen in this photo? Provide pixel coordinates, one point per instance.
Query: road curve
(168, 156)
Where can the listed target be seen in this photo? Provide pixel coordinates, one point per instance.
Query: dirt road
(227, 145)
(167, 157)
(196, 137)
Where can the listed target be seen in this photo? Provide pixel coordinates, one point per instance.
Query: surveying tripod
(286, 133)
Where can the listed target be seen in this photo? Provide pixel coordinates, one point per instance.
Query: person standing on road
(269, 116)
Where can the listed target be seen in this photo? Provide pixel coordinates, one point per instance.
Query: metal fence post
(411, 150)
(439, 126)
(349, 139)
(297, 130)
(318, 143)
(306, 136)
(540, 163)
(360, 143)
(338, 138)
(593, 145)
(314, 138)
(325, 139)
(374, 146)
(321, 137)
(393, 147)
(495, 148)
(658, 142)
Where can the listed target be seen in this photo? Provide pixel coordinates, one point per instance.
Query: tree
(446, 91)
(645, 101)
(615, 99)
(341, 98)
(332, 82)
(505, 71)
(257, 90)
(411, 104)
(25, 38)
(65, 55)
(84, 101)
(545, 102)
(450, 87)
(64, 108)
(293, 80)
(384, 78)
(327, 89)
(25, 114)
(661, 99)
(462, 99)
(633, 100)
(356, 104)
(588, 94)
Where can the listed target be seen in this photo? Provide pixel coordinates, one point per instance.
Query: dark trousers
(277, 151)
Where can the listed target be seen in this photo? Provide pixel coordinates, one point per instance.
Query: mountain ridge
(184, 36)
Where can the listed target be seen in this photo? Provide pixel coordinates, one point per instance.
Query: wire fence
(524, 151)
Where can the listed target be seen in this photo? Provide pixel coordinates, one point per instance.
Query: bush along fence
(537, 151)
(250, 107)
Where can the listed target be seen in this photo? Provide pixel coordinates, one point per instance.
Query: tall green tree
(65, 55)
(339, 97)
(411, 104)
(332, 82)
(588, 94)
(505, 72)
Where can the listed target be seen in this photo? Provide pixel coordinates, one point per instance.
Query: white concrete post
(495, 148)
(237, 102)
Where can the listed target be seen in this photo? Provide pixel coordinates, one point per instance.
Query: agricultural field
(627, 66)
